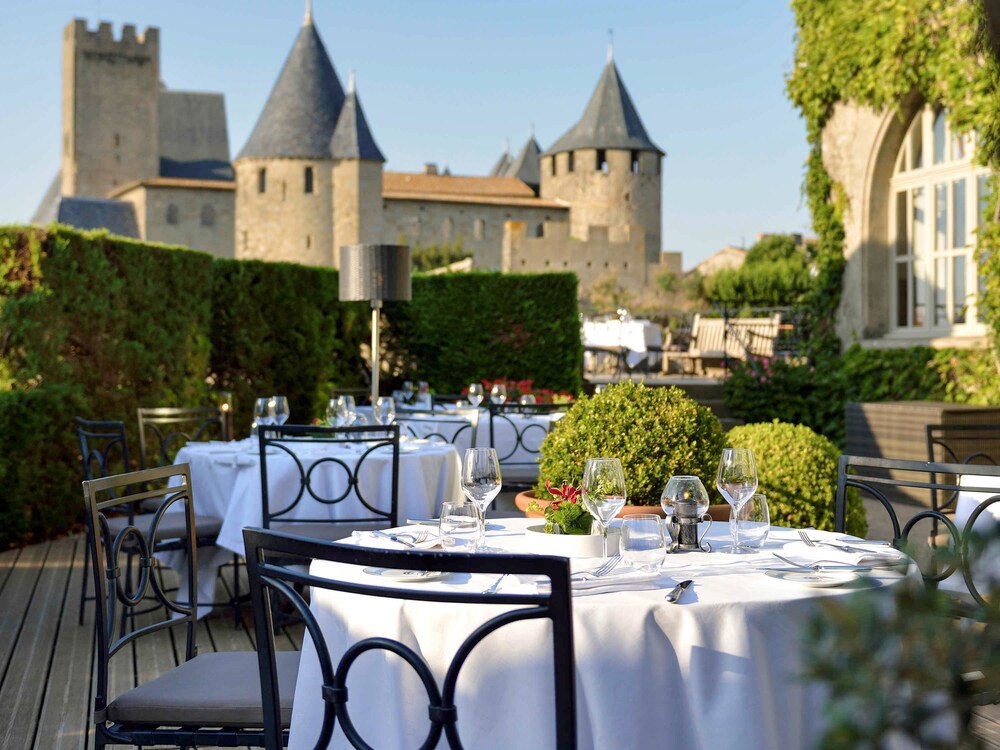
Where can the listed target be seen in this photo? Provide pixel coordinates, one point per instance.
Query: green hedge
(95, 326)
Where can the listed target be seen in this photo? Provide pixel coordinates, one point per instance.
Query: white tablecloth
(719, 670)
(638, 336)
(226, 482)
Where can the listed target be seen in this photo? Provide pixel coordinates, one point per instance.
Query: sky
(446, 81)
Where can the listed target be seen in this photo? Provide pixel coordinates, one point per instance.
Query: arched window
(173, 214)
(447, 228)
(479, 229)
(207, 216)
(936, 205)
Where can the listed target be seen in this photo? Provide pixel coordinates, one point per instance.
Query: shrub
(797, 470)
(656, 432)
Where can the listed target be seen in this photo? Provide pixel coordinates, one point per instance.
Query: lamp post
(377, 273)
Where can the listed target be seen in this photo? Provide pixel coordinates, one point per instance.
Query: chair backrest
(326, 475)
(458, 427)
(163, 431)
(961, 444)
(122, 563)
(268, 577)
(517, 432)
(103, 447)
(734, 337)
(886, 479)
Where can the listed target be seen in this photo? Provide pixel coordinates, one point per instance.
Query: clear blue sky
(447, 80)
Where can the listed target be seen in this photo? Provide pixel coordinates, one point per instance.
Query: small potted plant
(565, 513)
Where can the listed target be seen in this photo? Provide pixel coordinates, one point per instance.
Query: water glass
(384, 411)
(262, 411)
(458, 526)
(643, 545)
(331, 413)
(498, 394)
(753, 521)
(476, 394)
(603, 492)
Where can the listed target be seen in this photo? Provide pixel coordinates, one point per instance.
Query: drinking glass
(262, 411)
(347, 411)
(643, 545)
(527, 399)
(603, 492)
(754, 521)
(331, 412)
(458, 526)
(481, 482)
(384, 411)
(476, 394)
(279, 409)
(737, 481)
(498, 394)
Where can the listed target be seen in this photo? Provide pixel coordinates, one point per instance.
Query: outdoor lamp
(377, 273)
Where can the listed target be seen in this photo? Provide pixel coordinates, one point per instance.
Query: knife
(675, 593)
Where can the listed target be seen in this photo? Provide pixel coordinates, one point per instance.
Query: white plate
(401, 574)
(816, 579)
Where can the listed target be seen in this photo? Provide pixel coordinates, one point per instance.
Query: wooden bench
(715, 340)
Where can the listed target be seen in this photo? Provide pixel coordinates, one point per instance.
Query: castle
(153, 163)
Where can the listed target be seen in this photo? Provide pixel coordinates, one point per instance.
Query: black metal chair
(886, 480)
(458, 427)
(300, 505)
(165, 430)
(269, 579)
(210, 699)
(977, 444)
(509, 435)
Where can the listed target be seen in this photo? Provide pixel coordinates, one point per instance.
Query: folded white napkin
(879, 557)
(624, 579)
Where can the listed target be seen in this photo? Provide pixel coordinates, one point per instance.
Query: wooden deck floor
(46, 659)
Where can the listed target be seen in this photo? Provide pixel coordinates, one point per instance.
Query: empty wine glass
(498, 394)
(279, 409)
(603, 492)
(331, 413)
(384, 411)
(347, 411)
(262, 411)
(476, 394)
(737, 481)
(481, 482)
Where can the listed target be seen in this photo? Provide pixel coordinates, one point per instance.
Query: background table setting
(719, 667)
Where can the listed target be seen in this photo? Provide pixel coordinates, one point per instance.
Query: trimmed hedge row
(95, 325)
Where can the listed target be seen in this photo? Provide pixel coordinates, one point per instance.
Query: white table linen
(226, 482)
(720, 669)
(638, 336)
(986, 570)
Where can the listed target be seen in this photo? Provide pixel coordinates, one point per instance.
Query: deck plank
(65, 717)
(22, 696)
(15, 597)
(7, 560)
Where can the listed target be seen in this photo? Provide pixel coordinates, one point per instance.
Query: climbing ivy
(877, 53)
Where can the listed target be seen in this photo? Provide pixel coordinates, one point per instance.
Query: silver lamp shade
(377, 273)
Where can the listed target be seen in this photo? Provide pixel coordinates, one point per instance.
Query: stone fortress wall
(195, 216)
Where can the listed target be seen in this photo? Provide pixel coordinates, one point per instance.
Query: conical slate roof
(352, 139)
(302, 110)
(502, 163)
(610, 120)
(527, 166)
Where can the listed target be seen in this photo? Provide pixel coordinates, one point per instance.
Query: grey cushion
(211, 690)
(172, 525)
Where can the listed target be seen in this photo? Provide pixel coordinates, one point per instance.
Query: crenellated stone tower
(284, 174)
(111, 98)
(608, 169)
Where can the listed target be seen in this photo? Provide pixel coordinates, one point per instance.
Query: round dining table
(720, 668)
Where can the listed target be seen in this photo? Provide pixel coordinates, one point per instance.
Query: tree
(773, 247)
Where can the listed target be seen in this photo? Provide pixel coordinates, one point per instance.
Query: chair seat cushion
(211, 690)
(172, 525)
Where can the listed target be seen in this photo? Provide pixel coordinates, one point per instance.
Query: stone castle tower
(309, 178)
(607, 169)
(111, 95)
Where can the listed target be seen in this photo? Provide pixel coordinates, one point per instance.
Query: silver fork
(406, 539)
(496, 584)
(804, 536)
(606, 567)
(818, 564)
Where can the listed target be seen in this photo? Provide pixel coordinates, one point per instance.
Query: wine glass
(481, 482)
(279, 409)
(603, 491)
(498, 394)
(384, 411)
(476, 394)
(331, 412)
(347, 411)
(262, 411)
(737, 481)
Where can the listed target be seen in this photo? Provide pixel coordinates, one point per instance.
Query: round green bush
(797, 470)
(656, 432)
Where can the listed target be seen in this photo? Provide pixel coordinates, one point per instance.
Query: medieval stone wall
(357, 204)
(199, 218)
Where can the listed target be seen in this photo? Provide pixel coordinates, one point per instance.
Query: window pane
(957, 147)
(940, 216)
(958, 283)
(939, 140)
(902, 238)
(983, 189)
(902, 297)
(941, 292)
(919, 295)
(917, 241)
(958, 213)
(917, 141)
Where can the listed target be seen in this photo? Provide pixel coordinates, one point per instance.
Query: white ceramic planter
(570, 545)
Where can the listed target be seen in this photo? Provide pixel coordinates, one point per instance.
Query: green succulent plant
(797, 470)
(655, 432)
